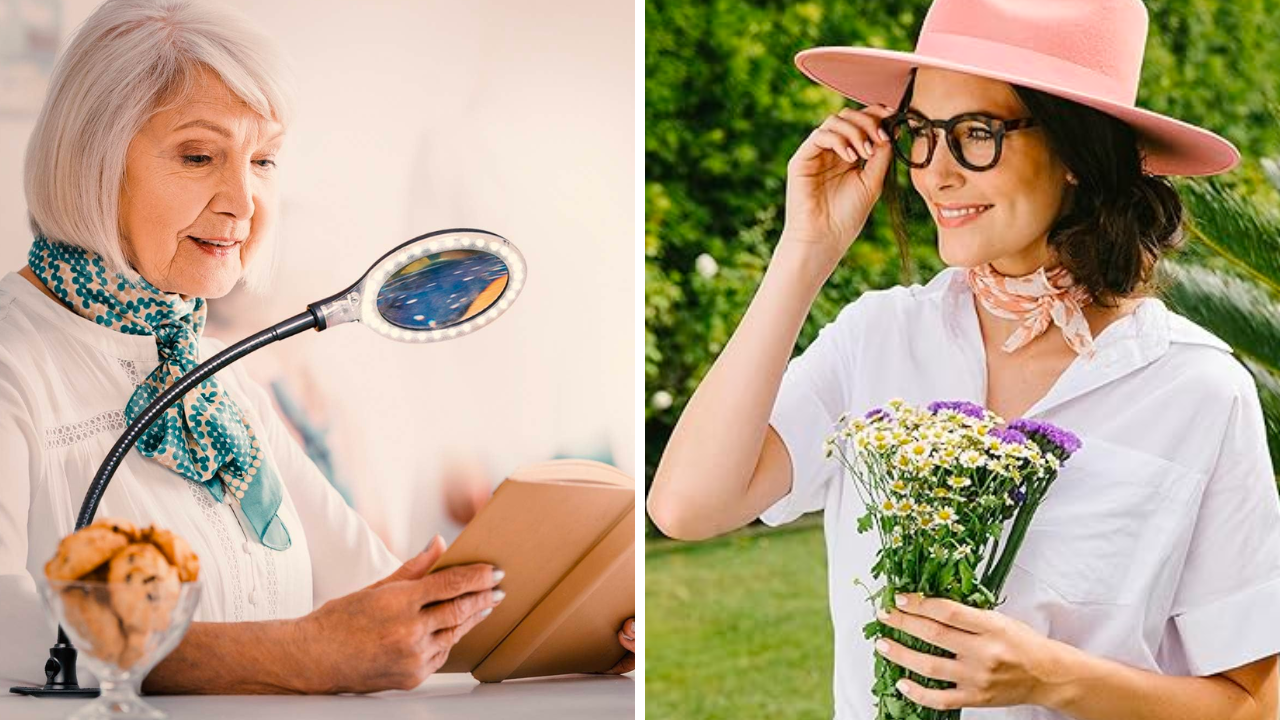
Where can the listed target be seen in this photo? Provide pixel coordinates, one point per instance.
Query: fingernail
(485, 612)
(497, 596)
(882, 134)
(902, 686)
(880, 613)
(882, 646)
(869, 147)
(498, 575)
(900, 600)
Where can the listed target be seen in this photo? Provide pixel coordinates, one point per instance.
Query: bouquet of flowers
(939, 485)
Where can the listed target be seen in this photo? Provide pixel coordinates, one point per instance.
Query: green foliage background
(725, 108)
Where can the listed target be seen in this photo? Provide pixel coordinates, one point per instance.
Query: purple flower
(1064, 441)
(1009, 436)
(1017, 495)
(876, 414)
(963, 407)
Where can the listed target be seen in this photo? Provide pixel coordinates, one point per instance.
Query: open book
(564, 533)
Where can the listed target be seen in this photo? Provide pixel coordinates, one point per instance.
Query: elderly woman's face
(1024, 193)
(205, 169)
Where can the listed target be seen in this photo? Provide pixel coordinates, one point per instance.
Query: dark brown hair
(1117, 222)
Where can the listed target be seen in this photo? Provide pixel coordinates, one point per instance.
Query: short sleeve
(815, 391)
(1225, 605)
(346, 554)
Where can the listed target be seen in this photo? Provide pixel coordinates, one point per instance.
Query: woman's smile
(957, 215)
(216, 248)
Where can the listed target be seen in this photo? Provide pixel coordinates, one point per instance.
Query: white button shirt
(64, 382)
(1158, 546)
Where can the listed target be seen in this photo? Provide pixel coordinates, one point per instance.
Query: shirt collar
(1125, 346)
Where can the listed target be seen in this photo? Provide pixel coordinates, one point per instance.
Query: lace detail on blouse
(64, 435)
(215, 519)
(273, 586)
(131, 370)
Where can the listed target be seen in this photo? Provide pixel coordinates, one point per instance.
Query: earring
(1072, 179)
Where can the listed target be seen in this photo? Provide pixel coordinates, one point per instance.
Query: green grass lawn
(738, 627)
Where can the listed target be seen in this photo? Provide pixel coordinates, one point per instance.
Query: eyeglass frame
(999, 127)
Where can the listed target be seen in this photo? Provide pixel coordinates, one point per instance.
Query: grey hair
(127, 61)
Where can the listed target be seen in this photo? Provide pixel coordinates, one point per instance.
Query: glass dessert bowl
(120, 630)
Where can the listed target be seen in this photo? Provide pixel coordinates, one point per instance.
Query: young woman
(1146, 585)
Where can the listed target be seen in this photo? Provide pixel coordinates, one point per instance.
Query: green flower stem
(991, 558)
(994, 580)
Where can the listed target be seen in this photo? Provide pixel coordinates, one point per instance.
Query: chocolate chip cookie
(81, 552)
(176, 551)
(144, 587)
(97, 627)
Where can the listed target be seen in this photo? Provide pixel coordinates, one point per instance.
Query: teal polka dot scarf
(203, 437)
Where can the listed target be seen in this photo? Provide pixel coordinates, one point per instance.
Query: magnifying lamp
(435, 287)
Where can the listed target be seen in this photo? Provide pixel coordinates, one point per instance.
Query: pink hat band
(1088, 51)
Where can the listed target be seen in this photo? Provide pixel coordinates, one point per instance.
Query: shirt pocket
(1106, 523)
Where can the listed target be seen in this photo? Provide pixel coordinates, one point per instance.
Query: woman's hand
(834, 179)
(395, 633)
(626, 636)
(999, 661)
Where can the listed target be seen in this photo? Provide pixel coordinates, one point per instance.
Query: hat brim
(872, 76)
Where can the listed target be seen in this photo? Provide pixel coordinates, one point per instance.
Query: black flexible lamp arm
(408, 271)
(294, 325)
(60, 668)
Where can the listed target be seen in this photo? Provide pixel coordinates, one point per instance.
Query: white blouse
(1158, 546)
(64, 382)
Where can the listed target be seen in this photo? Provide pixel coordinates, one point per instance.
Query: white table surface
(441, 696)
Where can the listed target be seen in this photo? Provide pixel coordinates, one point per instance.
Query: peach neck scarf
(1035, 299)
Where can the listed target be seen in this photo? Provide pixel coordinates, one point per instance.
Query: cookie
(124, 527)
(176, 550)
(144, 587)
(88, 613)
(137, 644)
(84, 550)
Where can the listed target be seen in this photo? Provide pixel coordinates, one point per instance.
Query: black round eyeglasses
(975, 139)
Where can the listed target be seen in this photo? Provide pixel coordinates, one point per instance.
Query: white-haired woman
(150, 182)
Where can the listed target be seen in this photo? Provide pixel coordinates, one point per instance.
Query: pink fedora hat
(1089, 51)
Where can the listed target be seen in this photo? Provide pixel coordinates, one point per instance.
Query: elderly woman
(151, 185)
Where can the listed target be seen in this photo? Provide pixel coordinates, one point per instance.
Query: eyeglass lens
(974, 139)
